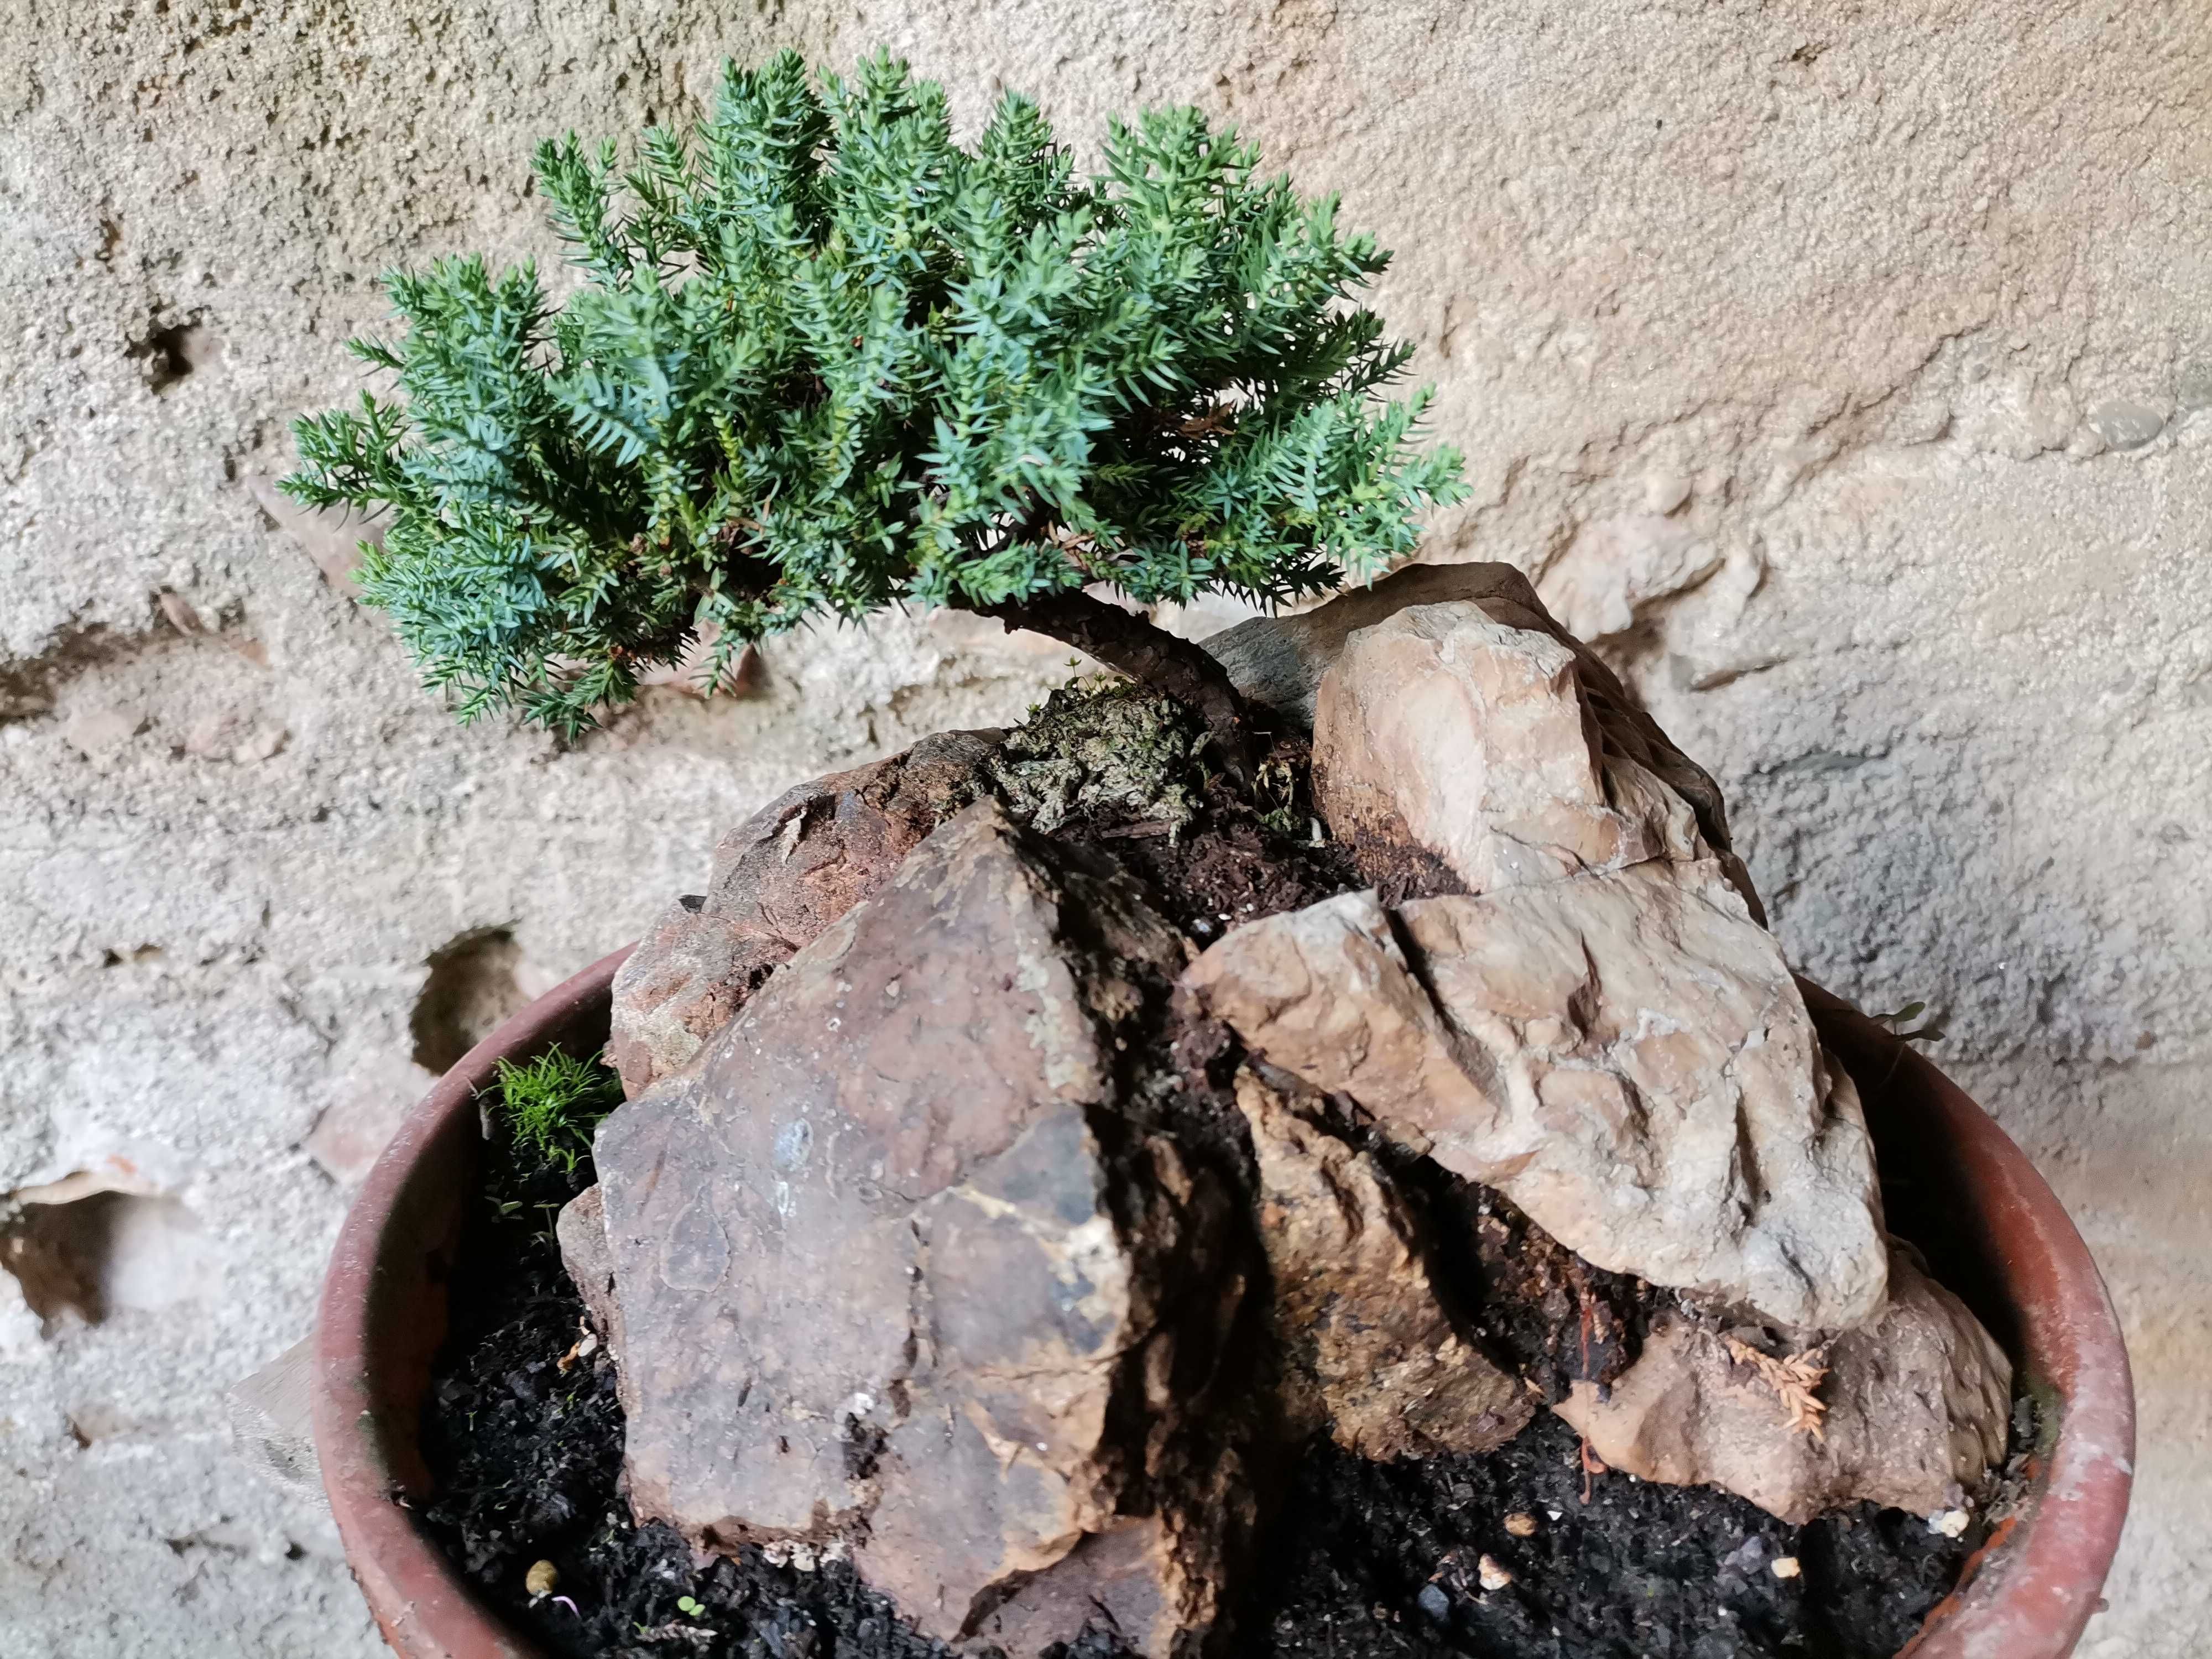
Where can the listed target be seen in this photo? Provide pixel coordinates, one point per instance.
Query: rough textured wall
(1849, 375)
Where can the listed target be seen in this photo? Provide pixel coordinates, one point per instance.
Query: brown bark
(1122, 640)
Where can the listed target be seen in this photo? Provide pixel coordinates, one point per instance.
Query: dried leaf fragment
(1795, 1379)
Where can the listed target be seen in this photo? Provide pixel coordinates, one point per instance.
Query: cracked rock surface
(1916, 1406)
(1623, 1055)
(1392, 1372)
(886, 1254)
(780, 878)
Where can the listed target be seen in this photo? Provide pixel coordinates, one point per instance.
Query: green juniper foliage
(551, 1105)
(825, 360)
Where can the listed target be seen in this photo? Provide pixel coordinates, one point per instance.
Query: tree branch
(1125, 641)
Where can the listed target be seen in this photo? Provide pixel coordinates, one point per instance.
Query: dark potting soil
(524, 1437)
(1364, 1560)
(523, 1431)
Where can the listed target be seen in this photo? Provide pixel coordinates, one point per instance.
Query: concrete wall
(1849, 375)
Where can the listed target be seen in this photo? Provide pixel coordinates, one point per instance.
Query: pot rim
(364, 1426)
(2025, 1596)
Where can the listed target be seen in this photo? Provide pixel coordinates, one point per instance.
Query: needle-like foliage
(550, 1106)
(826, 360)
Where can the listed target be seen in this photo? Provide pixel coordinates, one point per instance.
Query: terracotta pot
(1954, 1184)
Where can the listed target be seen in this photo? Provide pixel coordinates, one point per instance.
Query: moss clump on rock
(1105, 748)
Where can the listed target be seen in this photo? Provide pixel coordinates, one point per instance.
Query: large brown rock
(1911, 1412)
(1280, 661)
(1388, 1370)
(892, 1268)
(780, 878)
(1625, 1055)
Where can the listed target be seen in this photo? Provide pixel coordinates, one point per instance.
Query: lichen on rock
(1103, 746)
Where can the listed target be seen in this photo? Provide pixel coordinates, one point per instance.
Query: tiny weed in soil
(1362, 1560)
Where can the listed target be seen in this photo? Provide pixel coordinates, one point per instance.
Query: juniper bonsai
(823, 360)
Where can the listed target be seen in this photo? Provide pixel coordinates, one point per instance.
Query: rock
(889, 1267)
(1470, 738)
(372, 1101)
(1623, 1055)
(1618, 567)
(1393, 1374)
(1280, 661)
(2126, 424)
(332, 537)
(779, 879)
(271, 1418)
(1129, 1577)
(2192, 386)
(95, 729)
(580, 1229)
(1916, 1414)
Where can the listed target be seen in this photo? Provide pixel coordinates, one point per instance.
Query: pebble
(1746, 1556)
(2125, 424)
(1952, 1523)
(1434, 1602)
(540, 1578)
(1521, 1524)
(1491, 1576)
(1784, 1566)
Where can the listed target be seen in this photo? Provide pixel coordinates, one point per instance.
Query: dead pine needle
(1795, 1379)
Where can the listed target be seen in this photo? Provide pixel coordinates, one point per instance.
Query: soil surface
(523, 1433)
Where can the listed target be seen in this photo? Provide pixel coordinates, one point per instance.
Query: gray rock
(2126, 424)
(271, 1418)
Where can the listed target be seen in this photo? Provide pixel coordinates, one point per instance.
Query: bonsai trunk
(1124, 641)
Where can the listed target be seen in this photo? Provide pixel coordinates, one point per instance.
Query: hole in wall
(89, 1258)
(168, 353)
(471, 988)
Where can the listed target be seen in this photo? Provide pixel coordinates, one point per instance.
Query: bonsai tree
(1223, 1160)
(824, 360)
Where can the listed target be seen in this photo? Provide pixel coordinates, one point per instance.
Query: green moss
(1105, 748)
(550, 1106)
